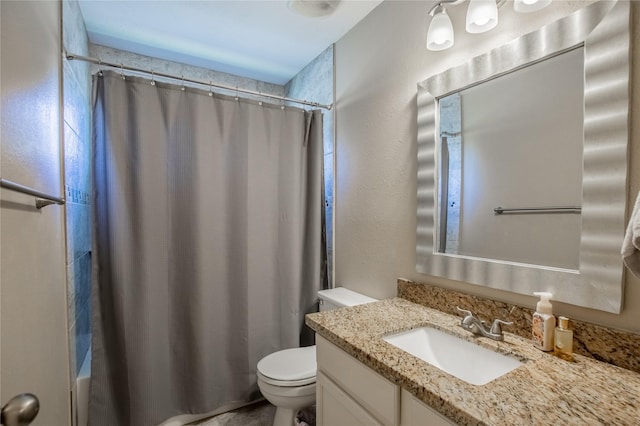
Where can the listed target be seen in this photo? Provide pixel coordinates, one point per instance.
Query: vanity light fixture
(482, 16)
(526, 6)
(440, 35)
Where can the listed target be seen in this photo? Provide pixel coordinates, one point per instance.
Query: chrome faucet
(476, 326)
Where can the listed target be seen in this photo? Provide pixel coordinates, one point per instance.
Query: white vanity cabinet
(349, 393)
(414, 412)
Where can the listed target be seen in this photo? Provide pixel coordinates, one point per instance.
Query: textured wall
(315, 83)
(378, 64)
(77, 173)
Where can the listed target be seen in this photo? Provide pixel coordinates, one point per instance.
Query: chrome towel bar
(500, 210)
(42, 199)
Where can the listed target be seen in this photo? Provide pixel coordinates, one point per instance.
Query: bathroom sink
(460, 358)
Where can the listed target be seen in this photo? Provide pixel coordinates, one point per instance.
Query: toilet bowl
(287, 378)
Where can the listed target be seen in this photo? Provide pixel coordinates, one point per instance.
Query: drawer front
(373, 392)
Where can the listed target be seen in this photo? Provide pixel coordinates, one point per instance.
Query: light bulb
(440, 34)
(482, 15)
(526, 6)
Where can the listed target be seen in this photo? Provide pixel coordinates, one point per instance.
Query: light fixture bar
(482, 16)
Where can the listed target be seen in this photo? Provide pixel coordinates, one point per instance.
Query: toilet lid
(289, 364)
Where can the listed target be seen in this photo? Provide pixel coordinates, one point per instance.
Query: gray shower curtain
(208, 245)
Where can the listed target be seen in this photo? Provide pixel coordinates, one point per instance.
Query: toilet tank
(340, 297)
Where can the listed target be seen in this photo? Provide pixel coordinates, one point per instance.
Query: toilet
(287, 378)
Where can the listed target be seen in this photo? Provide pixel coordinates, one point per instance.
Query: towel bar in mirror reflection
(501, 210)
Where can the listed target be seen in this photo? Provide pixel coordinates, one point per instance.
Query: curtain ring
(153, 82)
(122, 72)
(182, 88)
(237, 98)
(210, 88)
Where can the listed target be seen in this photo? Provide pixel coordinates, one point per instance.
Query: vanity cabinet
(414, 412)
(350, 393)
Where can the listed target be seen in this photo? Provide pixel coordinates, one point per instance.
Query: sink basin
(460, 358)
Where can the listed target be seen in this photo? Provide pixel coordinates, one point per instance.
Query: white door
(33, 303)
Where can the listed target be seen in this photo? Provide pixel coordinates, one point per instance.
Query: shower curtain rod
(73, 56)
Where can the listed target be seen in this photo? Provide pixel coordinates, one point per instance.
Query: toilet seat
(289, 367)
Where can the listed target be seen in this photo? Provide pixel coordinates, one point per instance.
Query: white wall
(378, 65)
(34, 356)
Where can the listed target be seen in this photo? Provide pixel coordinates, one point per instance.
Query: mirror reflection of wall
(515, 142)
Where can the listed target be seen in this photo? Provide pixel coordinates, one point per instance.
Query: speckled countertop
(545, 390)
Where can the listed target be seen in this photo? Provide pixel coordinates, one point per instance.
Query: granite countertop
(545, 390)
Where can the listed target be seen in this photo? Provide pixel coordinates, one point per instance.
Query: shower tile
(82, 282)
(83, 342)
(74, 367)
(74, 32)
(82, 271)
(315, 83)
(78, 230)
(108, 54)
(328, 176)
(77, 157)
(77, 98)
(71, 291)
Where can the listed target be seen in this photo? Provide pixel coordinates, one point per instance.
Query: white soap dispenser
(544, 323)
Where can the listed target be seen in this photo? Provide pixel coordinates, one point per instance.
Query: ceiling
(259, 39)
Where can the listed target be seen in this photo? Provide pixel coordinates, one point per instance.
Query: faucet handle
(468, 322)
(496, 327)
(464, 311)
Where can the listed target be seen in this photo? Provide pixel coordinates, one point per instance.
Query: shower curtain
(208, 245)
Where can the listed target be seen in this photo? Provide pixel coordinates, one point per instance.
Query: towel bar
(500, 210)
(42, 199)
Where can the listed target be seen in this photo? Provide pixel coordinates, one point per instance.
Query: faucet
(474, 325)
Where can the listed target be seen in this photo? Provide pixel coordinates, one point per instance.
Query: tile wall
(315, 83)
(77, 171)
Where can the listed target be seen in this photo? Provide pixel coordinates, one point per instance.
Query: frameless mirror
(522, 162)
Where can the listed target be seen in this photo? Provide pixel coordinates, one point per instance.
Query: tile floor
(259, 414)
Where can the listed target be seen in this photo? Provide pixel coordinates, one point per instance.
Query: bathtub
(82, 390)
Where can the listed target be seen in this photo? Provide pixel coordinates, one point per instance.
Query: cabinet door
(336, 408)
(377, 395)
(414, 412)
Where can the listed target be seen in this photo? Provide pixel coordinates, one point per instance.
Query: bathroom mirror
(521, 163)
(590, 47)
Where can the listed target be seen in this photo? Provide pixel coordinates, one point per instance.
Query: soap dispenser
(544, 323)
(563, 340)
